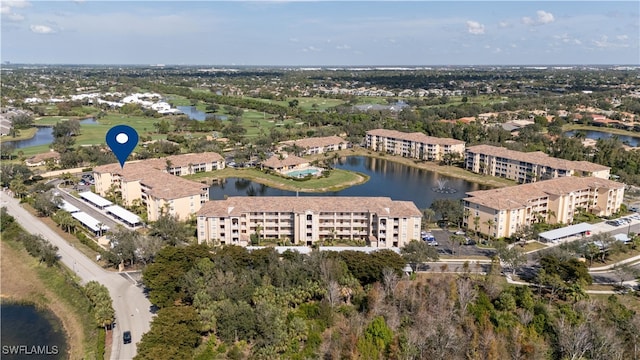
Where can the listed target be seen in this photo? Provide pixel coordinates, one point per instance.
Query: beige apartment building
(500, 212)
(379, 221)
(413, 145)
(527, 167)
(318, 145)
(151, 183)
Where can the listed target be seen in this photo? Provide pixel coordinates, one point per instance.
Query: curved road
(132, 308)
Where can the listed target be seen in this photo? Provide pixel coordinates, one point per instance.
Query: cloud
(504, 24)
(542, 18)
(343, 47)
(475, 28)
(16, 3)
(14, 17)
(545, 17)
(42, 29)
(7, 10)
(311, 49)
(605, 43)
(622, 37)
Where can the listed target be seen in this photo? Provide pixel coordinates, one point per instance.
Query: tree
(123, 246)
(174, 334)
(428, 215)
(18, 186)
(511, 256)
(416, 252)
(67, 222)
(450, 210)
(45, 204)
(171, 230)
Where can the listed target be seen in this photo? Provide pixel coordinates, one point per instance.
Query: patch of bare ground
(21, 283)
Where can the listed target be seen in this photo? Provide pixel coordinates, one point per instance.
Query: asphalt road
(132, 308)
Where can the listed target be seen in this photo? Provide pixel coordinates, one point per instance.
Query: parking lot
(447, 247)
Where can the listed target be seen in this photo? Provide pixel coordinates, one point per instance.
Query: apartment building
(153, 183)
(526, 167)
(318, 145)
(500, 212)
(413, 145)
(187, 164)
(379, 221)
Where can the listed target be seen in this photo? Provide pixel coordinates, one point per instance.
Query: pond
(596, 134)
(194, 114)
(44, 135)
(387, 178)
(29, 333)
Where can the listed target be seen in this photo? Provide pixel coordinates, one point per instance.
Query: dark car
(126, 337)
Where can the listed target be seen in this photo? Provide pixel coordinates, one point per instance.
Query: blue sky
(311, 33)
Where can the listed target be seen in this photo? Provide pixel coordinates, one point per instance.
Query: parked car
(432, 243)
(126, 337)
(460, 232)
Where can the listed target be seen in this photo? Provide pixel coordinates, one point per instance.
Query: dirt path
(20, 282)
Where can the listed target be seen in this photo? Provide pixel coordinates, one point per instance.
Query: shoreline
(452, 171)
(22, 284)
(272, 180)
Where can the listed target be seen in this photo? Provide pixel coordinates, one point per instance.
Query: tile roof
(161, 184)
(317, 141)
(161, 163)
(518, 196)
(235, 206)
(536, 157)
(416, 137)
(275, 162)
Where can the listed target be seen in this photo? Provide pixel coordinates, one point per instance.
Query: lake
(44, 135)
(595, 134)
(194, 114)
(387, 178)
(39, 330)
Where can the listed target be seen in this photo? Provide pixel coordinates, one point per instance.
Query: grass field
(338, 180)
(304, 103)
(91, 134)
(24, 134)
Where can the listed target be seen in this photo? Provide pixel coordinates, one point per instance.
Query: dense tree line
(231, 303)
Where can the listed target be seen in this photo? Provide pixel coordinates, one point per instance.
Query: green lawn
(91, 134)
(304, 103)
(23, 134)
(339, 179)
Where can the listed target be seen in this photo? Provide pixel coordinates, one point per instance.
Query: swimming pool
(303, 173)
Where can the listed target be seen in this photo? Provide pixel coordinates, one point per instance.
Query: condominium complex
(380, 221)
(414, 145)
(153, 183)
(500, 212)
(526, 167)
(318, 145)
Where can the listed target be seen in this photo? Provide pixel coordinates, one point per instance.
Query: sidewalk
(609, 267)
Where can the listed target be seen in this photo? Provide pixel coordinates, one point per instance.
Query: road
(132, 308)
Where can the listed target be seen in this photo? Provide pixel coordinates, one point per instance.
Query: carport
(95, 200)
(123, 215)
(91, 223)
(566, 232)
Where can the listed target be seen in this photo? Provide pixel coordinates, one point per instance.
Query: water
(40, 331)
(44, 135)
(303, 173)
(595, 134)
(194, 114)
(387, 178)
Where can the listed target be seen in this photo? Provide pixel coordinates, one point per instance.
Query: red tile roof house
(290, 162)
(41, 159)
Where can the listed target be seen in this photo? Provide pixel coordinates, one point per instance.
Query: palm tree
(490, 224)
(476, 224)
